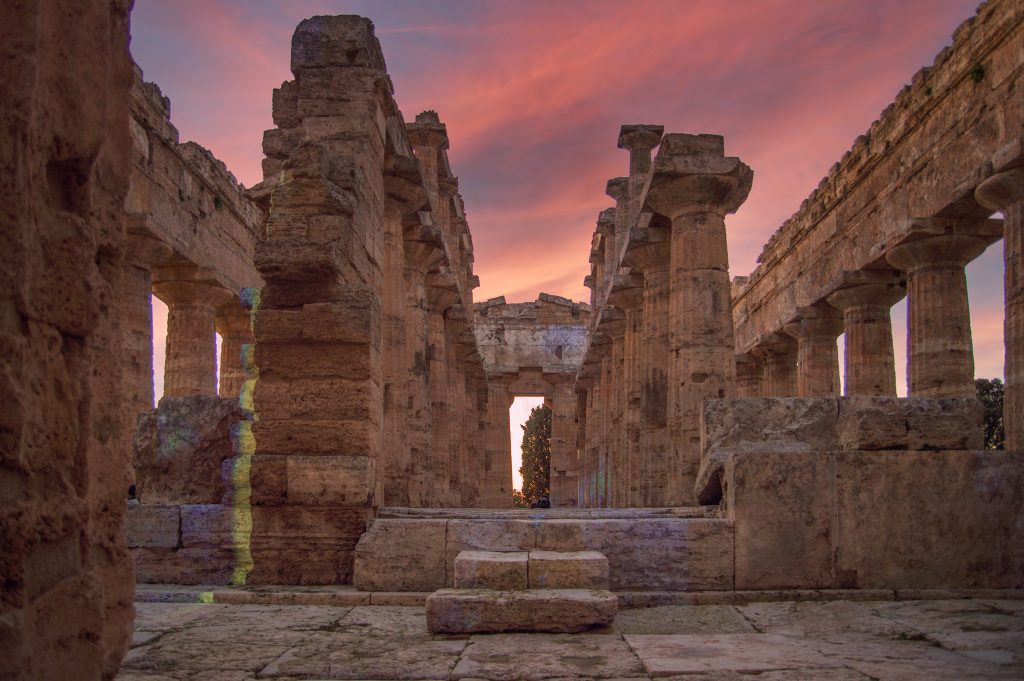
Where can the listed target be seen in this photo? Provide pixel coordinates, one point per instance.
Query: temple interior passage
(319, 484)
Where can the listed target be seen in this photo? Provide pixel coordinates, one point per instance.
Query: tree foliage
(518, 500)
(990, 392)
(536, 468)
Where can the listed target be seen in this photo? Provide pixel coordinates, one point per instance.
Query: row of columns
(662, 342)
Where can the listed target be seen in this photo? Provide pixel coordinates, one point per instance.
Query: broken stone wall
(67, 602)
(864, 493)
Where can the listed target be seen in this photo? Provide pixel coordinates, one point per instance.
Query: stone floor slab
(683, 619)
(674, 654)
(547, 656)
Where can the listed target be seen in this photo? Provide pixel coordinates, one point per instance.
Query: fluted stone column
(749, 375)
(564, 467)
(778, 351)
(405, 198)
(639, 140)
(441, 295)
(648, 251)
(423, 254)
(606, 229)
(582, 388)
(695, 185)
(191, 365)
(940, 354)
(1005, 192)
(593, 364)
(142, 253)
(613, 323)
(235, 328)
(627, 294)
(498, 468)
(817, 357)
(869, 365)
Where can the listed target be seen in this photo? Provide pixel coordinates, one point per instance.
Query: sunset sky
(533, 94)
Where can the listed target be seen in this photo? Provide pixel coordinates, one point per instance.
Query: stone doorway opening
(518, 414)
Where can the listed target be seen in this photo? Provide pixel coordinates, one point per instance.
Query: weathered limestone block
(568, 570)
(180, 448)
(683, 554)
(781, 504)
(487, 535)
(341, 480)
(150, 526)
(202, 565)
(873, 423)
(466, 611)
(401, 555)
(209, 526)
(929, 520)
(496, 570)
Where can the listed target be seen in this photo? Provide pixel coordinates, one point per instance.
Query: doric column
(627, 294)
(564, 467)
(606, 230)
(1005, 192)
(441, 295)
(940, 355)
(695, 185)
(639, 140)
(191, 365)
(869, 365)
(648, 251)
(143, 252)
(778, 351)
(749, 375)
(817, 357)
(429, 137)
(235, 328)
(583, 385)
(593, 364)
(498, 465)
(613, 323)
(618, 189)
(424, 252)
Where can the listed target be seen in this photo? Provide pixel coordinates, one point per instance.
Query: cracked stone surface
(778, 641)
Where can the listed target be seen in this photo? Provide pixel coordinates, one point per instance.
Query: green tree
(518, 500)
(990, 392)
(536, 468)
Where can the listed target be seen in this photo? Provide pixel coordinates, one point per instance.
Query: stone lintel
(989, 229)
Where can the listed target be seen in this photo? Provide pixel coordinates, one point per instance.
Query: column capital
(187, 293)
(1001, 190)
(424, 245)
(648, 249)
(865, 295)
(627, 291)
(617, 188)
(816, 321)
(427, 131)
(146, 251)
(442, 291)
(692, 173)
(606, 222)
(233, 319)
(748, 365)
(949, 250)
(640, 136)
(403, 184)
(774, 344)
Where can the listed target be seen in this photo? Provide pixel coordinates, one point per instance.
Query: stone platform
(648, 549)
(940, 640)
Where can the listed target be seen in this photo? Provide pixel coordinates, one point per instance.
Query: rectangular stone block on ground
(487, 535)
(501, 571)
(568, 570)
(467, 611)
(401, 555)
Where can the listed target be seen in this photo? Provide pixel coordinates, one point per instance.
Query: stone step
(519, 570)
(567, 570)
(499, 570)
(473, 611)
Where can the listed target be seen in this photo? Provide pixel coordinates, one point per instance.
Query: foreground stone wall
(532, 349)
(66, 606)
(869, 493)
(901, 214)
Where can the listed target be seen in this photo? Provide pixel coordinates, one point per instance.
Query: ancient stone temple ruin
(354, 432)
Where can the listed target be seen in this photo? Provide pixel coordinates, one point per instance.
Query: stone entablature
(549, 333)
(900, 202)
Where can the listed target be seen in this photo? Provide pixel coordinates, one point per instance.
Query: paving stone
(546, 656)
(683, 619)
(499, 570)
(665, 655)
(568, 570)
(461, 611)
(822, 619)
